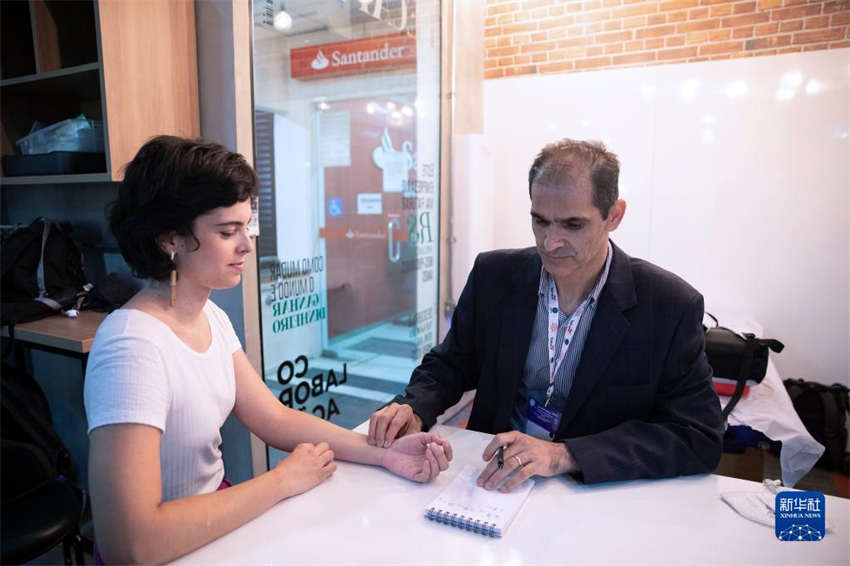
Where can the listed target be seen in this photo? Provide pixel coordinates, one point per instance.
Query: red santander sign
(355, 56)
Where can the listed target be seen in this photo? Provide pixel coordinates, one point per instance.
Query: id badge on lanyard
(557, 358)
(541, 421)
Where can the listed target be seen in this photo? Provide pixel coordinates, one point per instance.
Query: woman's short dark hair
(567, 161)
(168, 184)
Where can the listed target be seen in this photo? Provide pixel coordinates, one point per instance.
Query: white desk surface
(365, 515)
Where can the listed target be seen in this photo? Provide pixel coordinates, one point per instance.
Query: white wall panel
(472, 175)
(736, 175)
(521, 115)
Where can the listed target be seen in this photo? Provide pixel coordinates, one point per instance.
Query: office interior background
(731, 120)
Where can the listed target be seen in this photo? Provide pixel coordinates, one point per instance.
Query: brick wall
(556, 36)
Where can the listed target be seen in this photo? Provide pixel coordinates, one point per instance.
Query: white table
(365, 515)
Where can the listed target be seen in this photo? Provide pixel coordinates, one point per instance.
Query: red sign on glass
(356, 56)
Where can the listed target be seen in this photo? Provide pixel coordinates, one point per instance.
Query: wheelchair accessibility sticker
(334, 207)
(800, 516)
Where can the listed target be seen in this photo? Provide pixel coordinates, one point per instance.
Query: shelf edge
(55, 179)
(78, 69)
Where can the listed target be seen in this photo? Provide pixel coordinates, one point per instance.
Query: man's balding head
(570, 162)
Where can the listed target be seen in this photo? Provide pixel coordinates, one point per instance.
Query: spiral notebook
(466, 506)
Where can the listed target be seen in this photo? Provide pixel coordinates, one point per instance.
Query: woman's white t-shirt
(139, 371)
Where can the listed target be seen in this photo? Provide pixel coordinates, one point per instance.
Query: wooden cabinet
(150, 73)
(130, 63)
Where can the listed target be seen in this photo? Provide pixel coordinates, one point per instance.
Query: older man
(586, 361)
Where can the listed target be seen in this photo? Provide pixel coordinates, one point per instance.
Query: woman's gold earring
(173, 281)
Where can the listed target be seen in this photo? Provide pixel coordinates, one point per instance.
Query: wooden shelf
(48, 97)
(81, 82)
(54, 179)
(98, 59)
(51, 74)
(70, 334)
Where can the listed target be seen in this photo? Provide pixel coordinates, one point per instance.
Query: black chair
(39, 511)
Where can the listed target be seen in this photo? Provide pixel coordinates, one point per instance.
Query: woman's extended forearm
(295, 427)
(174, 528)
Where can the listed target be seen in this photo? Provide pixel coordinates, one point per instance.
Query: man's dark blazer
(642, 404)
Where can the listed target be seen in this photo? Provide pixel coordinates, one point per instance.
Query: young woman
(167, 369)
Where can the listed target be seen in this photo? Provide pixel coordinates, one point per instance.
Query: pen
(500, 457)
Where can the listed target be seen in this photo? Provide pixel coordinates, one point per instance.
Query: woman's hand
(306, 467)
(419, 457)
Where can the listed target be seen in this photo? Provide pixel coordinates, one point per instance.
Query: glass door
(346, 97)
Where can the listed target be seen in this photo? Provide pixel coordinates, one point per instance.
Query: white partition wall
(736, 174)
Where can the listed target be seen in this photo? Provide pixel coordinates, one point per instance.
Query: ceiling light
(282, 21)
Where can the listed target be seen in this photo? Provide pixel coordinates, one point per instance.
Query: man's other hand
(524, 456)
(391, 422)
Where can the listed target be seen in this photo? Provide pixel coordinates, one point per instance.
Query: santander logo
(353, 56)
(341, 59)
(320, 62)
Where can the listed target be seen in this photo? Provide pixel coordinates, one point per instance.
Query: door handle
(393, 247)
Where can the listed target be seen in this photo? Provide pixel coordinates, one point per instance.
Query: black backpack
(736, 356)
(823, 409)
(41, 270)
(27, 428)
